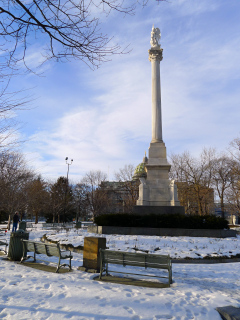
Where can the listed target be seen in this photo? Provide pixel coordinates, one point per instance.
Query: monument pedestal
(157, 190)
(143, 210)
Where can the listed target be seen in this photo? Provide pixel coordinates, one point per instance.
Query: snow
(176, 247)
(197, 290)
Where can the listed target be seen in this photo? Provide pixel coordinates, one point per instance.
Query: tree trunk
(199, 206)
(222, 208)
(9, 222)
(36, 216)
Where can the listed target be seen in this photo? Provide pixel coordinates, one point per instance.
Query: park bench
(143, 260)
(54, 225)
(3, 242)
(48, 249)
(31, 225)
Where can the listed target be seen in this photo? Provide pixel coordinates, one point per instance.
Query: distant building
(122, 196)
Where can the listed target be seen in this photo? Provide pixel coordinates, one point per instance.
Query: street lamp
(68, 164)
(65, 197)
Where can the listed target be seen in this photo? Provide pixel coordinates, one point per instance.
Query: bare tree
(64, 30)
(194, 176)
(233, 193)
(234, 149)
(125, 173)
(128, 190)
(233, 197)
(14, 176)
(38, 197)
(97, 197)
(9, 104)
(224, 177)
(68, 29)
(80, 193)
(61, 196)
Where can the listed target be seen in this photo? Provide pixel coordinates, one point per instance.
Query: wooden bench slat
(30, 246)
(132, 259)
(142, 260)
(53, 251)
(40, 248)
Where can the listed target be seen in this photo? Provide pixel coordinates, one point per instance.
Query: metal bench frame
(143, 260)
(49, 249)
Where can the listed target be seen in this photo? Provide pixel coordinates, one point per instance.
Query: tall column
(157, 194)
(155, 56)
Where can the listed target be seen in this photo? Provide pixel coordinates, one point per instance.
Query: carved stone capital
(155, 54)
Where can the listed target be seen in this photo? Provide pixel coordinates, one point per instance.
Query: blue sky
(102, 119)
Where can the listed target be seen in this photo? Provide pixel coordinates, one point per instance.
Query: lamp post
(68, 164)
(65, 198)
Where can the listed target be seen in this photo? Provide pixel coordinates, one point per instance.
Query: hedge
(162, 221)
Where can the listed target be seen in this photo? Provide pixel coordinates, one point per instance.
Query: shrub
(3, 216)
(162, 221)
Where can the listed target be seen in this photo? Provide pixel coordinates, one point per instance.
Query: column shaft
(156, 102)
(155, 56)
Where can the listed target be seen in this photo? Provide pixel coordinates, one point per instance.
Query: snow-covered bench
(3, 242)
(56, 225)
(53, 225)
(143, 260)
(47, 249)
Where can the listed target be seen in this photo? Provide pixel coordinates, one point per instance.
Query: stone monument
(157, 194)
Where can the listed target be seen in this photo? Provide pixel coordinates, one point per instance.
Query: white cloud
(194, 7)
(108, 122)
(108, 130)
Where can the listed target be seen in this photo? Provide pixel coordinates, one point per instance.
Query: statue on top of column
(155, 37)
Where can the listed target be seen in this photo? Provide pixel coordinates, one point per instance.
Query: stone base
(84, 269)
(163, 232)
(142, 210)
(229, 313)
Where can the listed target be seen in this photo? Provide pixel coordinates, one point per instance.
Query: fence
(44, 225)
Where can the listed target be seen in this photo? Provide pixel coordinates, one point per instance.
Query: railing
(55, 225)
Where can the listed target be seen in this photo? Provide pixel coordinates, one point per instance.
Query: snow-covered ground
(197, 290)
(176, 247)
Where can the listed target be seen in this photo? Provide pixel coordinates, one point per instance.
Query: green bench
(53, 225)
(143, 260)
(48, 249)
